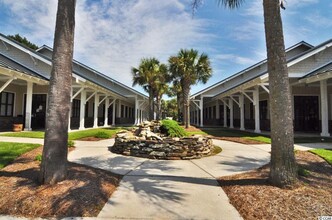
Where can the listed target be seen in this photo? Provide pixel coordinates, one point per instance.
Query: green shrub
(102, 134)
(70, 143)
(172, 129)
(38, 157)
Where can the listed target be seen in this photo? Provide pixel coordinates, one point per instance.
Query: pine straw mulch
(84, 193)
(254, 198)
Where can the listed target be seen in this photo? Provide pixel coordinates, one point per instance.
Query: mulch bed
(84, 193)
(254, 198)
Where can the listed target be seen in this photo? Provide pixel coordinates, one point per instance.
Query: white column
(256, 104)
(70, 109)
(141, 116)
(201, 115)
(231, 116)
(225, 115)
(95, 117)
(136, 111)
(113, 115)
(324, 109)
(241, 102)
(82, 110)
(28, 109)
(107, 103)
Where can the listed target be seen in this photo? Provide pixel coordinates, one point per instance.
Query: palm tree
(283, 171)
(189, 68)
(161, 87)
(54, 163)
(145, 75)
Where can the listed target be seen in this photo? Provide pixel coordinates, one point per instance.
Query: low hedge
(172, 129)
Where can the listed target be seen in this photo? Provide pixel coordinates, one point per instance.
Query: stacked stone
(147, 144)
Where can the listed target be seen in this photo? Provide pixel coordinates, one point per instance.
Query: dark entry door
(306, 113)
(38, 110)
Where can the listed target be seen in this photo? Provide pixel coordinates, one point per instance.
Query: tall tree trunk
(283, 166)
(185, 92)
(54, 163)
(178, 100)
(158, 112)
(151, 105)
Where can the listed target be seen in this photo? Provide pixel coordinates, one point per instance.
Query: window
(87, 109)
(263, 110)
(122, 111)
(7, 104)
(75, 109)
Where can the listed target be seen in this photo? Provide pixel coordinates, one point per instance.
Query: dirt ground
(254, 198)
(84, 193)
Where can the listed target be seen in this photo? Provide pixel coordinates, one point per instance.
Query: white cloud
(319, 20)
(233, 58)
(112, 36)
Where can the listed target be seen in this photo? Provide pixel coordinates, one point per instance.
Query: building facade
(242, 100)
(97, 100)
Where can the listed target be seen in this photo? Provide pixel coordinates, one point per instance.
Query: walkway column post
(136, 111)
(201, 115)
(95, 117)
(324, 109)
(107, 103)
(231, 113)
(82, 110)
(225, 115)
(113, 115)
(70, 109)
(241, 102)
(256, 104)
(28, 109)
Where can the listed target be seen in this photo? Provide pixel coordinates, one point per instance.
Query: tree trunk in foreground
(54, 162)
(283, 166)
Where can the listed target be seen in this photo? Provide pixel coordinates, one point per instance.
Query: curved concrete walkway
(181, 189)
(159, 189)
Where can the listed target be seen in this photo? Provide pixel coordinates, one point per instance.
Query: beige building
(242, 100)
(97, 100)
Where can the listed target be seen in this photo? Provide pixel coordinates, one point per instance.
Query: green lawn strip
(110, 132)
(75, 135)
(323, 153)
(25, 134)
(190, 133)
(9, 151)
(263, 139)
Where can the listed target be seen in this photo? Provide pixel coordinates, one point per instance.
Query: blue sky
(112, 36)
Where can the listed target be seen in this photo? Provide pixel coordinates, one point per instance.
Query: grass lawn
(9, 151)
(323, 153)
(75, 135)
(224, 132)
(25, 134)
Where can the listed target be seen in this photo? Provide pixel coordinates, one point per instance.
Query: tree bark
(151, 105)
(186, 91)
(283, 171)
(54, 162)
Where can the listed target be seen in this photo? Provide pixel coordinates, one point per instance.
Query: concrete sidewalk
(159, 189)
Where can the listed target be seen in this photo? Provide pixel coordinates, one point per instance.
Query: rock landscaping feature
(142, 142)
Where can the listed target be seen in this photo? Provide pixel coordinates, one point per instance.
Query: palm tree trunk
(54, 162)
(151, 105)
(158, 112)
(283, 166)
(186, 91)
